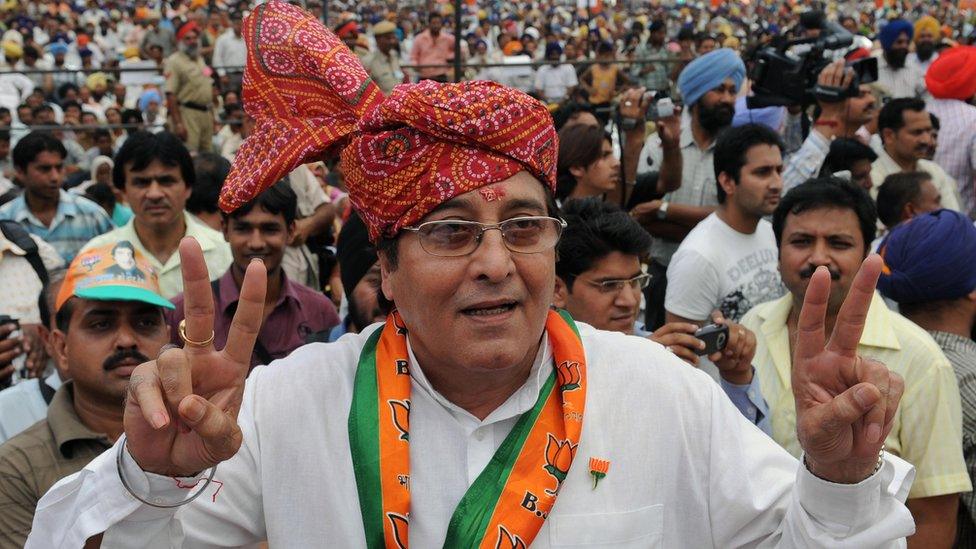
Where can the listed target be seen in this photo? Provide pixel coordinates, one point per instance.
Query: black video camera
(786, 74)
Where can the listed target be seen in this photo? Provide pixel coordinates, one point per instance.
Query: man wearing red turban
(459, 422)
(951, 79)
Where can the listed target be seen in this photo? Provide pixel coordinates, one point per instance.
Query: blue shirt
(76, 221)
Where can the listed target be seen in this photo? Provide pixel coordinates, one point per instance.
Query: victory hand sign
(181, 411)
(845, 403)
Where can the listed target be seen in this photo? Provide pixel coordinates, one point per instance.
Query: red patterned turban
(402, 155)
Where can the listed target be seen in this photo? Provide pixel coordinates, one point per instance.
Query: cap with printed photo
(113, 272)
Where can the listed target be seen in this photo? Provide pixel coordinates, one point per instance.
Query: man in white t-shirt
(728, 262)
(555, 82)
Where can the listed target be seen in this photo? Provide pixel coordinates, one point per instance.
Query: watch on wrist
(662, 211)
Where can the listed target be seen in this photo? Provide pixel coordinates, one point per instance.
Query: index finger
(810, 331)
(854, 311)
(249, 315)
(198, 303)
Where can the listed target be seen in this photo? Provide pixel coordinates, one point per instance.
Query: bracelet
(125, 483)
(877, 466)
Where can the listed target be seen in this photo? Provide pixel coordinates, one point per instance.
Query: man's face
(156, 194)
(760, 182)
(912, 140)
(4, 149)
(258, 234)
(124, 258)
(822, 236)
(386, 42)
(707, 45)
(104, 144)
(364, 303)
(436, 23)
(190, 44)
(717, 107)
(657, 37)
(925, 36)
(156, 53)
(45, 117)
(25, 115)
(72, 113)
(484, 311)
(6, 119)
(604, 173)
(237, 24)
(861, 174)
(861, 109)
(898, 52)
(350, 40)
(105, 341)
(601, 308)
(570, 51)
(44, 175)
(849, 24)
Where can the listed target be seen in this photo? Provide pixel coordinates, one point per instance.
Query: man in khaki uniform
(109, 318)
(189, 91)
(384, 64)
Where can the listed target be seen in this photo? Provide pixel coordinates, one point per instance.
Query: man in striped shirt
(930, 275)
(63, 220)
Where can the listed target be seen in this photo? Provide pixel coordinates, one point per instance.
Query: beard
(715, 118)
(190, 51)
(924, 50)
(896, 58)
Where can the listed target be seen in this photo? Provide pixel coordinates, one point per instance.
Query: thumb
(849, 406)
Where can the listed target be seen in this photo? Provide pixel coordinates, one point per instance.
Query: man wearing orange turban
(952, 82)
(459, 422)
(927, 38)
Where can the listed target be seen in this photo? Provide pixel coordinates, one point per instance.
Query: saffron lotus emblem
(569, 376)
(559, 456)
(507, 540)
(400, 409)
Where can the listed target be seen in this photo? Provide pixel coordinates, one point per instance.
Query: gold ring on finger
(188, 341)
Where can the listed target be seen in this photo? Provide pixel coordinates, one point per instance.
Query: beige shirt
(885, 166)
(189, 79)
(216, 252)
(384, 69)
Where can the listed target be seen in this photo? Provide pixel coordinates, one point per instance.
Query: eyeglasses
(455, 237)
(639, 282)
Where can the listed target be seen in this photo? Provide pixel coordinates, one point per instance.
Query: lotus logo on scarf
(399, 523)
(559, 456)
(569, 376)
(507, 540)
(401, 417)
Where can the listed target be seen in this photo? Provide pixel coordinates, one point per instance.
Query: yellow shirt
(216, 252)
(928, 424)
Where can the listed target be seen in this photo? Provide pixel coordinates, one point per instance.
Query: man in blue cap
(709, 86)
(901, 79)
(929, 272)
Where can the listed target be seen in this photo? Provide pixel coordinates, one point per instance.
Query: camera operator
(838, 119)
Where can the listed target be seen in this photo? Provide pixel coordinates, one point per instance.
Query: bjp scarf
(401, 155)
(510, 500)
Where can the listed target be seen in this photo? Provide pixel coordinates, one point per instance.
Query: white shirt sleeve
(760, 496)
(228, 514)
(693, 286)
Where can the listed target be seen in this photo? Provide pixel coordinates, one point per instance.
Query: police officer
(384, 63)
(189, 90)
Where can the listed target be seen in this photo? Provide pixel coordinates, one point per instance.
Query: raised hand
(845, 403)
(181, 411)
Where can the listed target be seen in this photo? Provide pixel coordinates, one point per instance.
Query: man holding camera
(709, 86)
(837, 119)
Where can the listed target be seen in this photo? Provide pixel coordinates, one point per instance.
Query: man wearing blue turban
(709, 86)
(929, 270)
(900, 78)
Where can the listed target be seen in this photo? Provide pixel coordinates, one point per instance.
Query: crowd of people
(156, 194)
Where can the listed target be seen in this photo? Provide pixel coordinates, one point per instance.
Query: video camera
(786, 74)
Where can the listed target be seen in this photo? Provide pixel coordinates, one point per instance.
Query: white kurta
(686, 469)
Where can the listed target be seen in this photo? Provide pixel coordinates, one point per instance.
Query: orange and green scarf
(509, 501)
